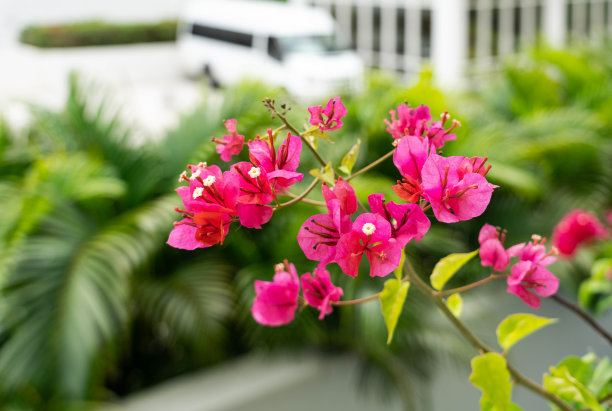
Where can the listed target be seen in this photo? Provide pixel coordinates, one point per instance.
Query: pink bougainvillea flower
(275, 302)
(438, 135)
(576, 228)
(492, 251)
(408, 121)
(530, 272)
(408, 221)
(254, 193)
(319, 290)
(527, 276)
(231, 144)
(409, 158)
(318, 237)
(209, 205)
(370, 235)
(344, 193)
(330, 117)
(280, 166)
(454, 194)
(534, 251)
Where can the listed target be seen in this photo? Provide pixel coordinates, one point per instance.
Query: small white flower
(368, 228)
(210, 180)
(202, 164)
(254, 172)
(183, 177)
(196, 174)
(197, 192)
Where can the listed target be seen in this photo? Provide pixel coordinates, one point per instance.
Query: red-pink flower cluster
(215, 199)
(528, 277)
(330, 117)
(231, 144)
(576, 228)
(416, 122)
(379, 235)
(275, 302)
(455, 186)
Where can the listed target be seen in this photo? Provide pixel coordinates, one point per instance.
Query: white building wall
(462, 37)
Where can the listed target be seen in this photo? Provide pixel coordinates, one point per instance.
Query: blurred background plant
(94, 305)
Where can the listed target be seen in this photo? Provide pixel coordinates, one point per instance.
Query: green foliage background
(94, 305)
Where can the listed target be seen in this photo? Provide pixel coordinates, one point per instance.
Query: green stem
(479, 345)
(301, 196)
(371, 165)
(585, 316)
(270, 105)
(469, 286)
(358, 300)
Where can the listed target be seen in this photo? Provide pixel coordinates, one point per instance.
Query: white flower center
(210, 180)
(183, 176)
(368, 228)
(197, 192)
(196, 174)
(202, 164)
(254, 172)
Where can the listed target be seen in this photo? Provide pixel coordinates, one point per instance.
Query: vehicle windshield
(309, 44)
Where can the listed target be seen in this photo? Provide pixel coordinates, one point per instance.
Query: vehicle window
(274, 50)
(309, 44)
(228, 36)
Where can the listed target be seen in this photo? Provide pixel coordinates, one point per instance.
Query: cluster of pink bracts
(455, 188)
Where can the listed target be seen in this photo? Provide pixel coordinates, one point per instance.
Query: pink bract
(319, 291)
(527, 276)
(410, 156)
(492, 251)
(408, 121)
(231, 144)
(280, 166)
(576, 228)
(319, 235)
(454, 195)
(408, 221)
(208, 208)
(370, 235)
(328, 118)
(275, 302)
(344, 193)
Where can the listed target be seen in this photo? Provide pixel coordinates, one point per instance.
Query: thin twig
(370, 166)
(479, 345)
(469, 286)
(358, 300)
(270, 105)
(585, 316)
(301, 196)
(308, 201)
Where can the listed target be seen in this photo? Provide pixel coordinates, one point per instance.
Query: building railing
(461, 37)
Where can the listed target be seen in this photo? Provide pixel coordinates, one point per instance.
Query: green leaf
(327, 174)
(313, 134)
(399, 271)
(392, 300)
(455, 304)
(490, 375)
(348, 161)
(602, 376)
(516, 327)
(447, 267)
(561, 383)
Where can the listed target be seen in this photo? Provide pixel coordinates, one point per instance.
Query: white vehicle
(289, 45)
